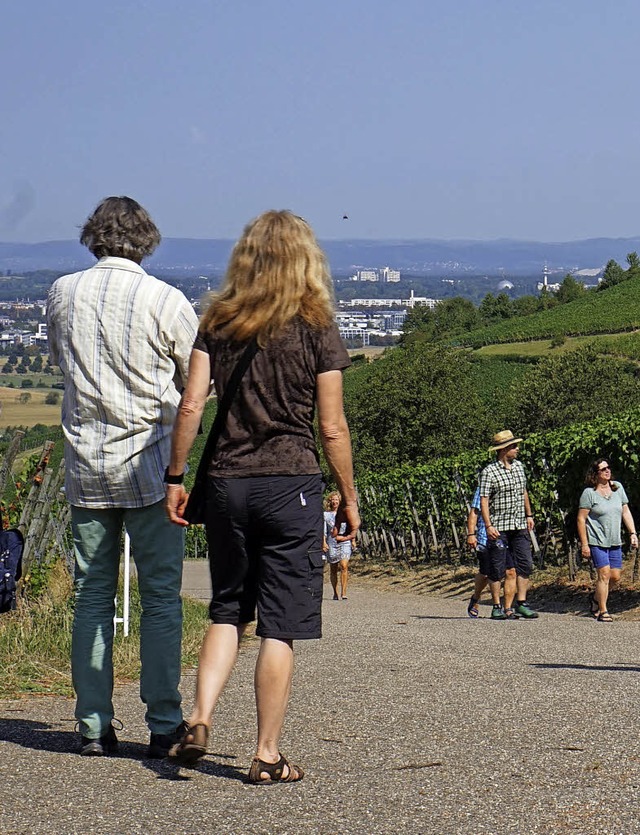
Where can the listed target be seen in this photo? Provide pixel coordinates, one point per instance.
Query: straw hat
(503, 439)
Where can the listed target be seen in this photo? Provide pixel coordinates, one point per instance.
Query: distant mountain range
(439, 257)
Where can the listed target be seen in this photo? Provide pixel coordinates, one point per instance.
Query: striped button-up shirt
(122, 339)
(505, 488)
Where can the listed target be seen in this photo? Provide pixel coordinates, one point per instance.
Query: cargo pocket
(316, 570)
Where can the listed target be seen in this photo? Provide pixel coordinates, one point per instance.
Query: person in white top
(122, 339)
(337, 546)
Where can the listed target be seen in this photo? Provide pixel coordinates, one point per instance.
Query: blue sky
(417, 118)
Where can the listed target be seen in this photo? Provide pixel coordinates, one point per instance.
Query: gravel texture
(408, 717)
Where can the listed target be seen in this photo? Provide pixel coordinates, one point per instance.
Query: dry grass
(371, 352)
(14, 413)
(35, 640)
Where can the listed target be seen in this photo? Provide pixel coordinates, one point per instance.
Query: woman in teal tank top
(603, 508)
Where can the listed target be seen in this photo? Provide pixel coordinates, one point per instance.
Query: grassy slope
(623, 344)
(612, 311)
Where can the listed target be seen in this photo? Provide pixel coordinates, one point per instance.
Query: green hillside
(611, 311)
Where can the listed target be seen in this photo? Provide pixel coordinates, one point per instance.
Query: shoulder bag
(194, 512)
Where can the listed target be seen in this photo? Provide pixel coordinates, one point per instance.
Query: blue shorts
(606, 556)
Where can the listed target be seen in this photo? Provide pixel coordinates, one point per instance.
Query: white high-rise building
(390, 276)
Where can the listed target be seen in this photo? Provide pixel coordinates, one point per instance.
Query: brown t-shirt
(269, 430)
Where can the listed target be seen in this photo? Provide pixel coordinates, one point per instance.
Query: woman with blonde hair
(337, 546)
(264, 488)
(603, 507)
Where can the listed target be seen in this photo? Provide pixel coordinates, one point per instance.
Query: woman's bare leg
(344, 576)
(217, 659)
(274, 672)
(333, 574)
(602, 588)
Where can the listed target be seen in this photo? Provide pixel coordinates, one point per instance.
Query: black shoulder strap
(224, 405)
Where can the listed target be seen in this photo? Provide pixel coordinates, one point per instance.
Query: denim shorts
(265, 553)
(606, 556)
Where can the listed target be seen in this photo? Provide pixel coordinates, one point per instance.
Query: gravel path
(408, 718)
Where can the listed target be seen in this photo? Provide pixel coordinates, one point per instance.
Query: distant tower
(545, 276)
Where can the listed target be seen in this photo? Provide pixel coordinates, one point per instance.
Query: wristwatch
(173, 479)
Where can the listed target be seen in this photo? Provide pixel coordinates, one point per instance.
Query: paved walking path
(408, 718)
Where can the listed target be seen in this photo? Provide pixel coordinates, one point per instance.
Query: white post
(124, 620)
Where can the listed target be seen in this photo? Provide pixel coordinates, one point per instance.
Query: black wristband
(173, 479)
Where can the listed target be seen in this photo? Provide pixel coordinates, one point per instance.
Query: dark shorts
(265, 552)
(483, 560)
(606, 556)
(515, 553)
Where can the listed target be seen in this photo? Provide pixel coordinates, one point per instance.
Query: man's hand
(175, 502)
(493, 533)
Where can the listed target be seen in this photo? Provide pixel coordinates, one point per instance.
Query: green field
(628, 345)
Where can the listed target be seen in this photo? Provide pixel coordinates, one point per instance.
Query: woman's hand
(175, 502)
(585, 552)
(348, 513)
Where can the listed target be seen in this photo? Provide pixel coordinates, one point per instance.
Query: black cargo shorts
(265, 553)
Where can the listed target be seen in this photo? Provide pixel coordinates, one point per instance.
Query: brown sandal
(192, 746)
(275, 772)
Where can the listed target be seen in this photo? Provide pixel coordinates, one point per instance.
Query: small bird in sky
(345, 217)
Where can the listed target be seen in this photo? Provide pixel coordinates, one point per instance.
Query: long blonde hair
(276, 271)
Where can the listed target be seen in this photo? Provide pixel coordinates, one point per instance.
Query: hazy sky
(417, 118)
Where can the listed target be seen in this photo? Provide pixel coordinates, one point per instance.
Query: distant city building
(412, 301)
(394, 320)
(40, 337)
(11, 338)
(389, 276)
(355, 333)
(544, 284)
(368, 275)
(383, 275)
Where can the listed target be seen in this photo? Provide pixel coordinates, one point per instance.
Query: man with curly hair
(122, 339)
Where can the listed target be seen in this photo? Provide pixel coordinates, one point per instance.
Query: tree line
(428, 399)
(455, 316)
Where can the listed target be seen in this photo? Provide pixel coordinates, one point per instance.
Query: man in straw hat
(506, 512)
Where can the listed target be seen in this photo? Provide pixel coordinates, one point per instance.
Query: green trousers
(157, 548)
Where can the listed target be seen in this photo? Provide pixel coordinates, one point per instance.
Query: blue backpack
(11, 546)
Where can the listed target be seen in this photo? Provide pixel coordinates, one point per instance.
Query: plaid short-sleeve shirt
(505, 488)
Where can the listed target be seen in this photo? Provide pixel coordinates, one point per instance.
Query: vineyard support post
(124, 620)
(9, 458)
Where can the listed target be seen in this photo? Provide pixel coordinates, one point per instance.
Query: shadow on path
(40, 736)
(618, 668)
(167, 770)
